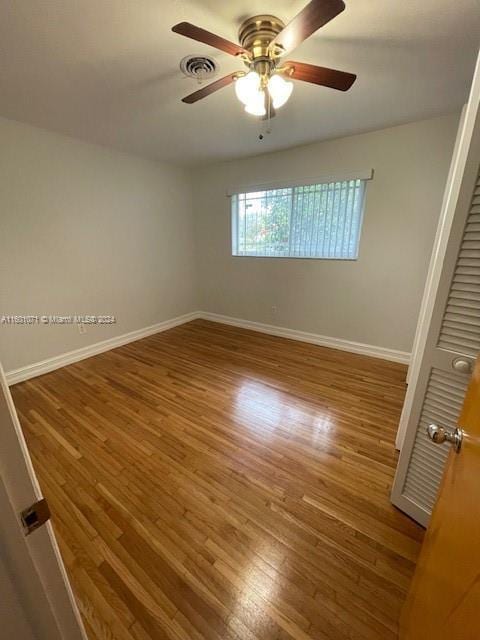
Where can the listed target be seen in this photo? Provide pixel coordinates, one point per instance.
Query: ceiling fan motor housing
(256, 34)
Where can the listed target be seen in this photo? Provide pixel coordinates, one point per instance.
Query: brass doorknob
(439, 435)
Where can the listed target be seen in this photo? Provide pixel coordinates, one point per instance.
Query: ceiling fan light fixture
(263, 40)
(256, 104)
(280, 90)
(247, 87)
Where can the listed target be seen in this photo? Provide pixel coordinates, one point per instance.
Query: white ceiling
(107, 71)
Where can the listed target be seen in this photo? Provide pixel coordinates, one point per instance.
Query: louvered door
(460, 330)
(451, 338)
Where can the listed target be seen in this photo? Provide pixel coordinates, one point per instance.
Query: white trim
(415, 511)
(39, 368)
(446, 221)
(362, 174)
(314, 338)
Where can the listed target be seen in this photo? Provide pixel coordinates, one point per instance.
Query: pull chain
(266, 125)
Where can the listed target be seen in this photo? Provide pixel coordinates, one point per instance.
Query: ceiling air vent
(199, 67)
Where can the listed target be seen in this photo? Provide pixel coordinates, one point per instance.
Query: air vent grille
(199, 67)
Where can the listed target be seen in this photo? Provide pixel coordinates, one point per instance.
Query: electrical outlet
(81, 328)
(274, 310)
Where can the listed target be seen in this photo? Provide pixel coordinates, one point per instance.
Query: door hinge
(35, 516)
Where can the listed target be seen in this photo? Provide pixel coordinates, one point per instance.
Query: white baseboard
(39, 368)
(314, 338)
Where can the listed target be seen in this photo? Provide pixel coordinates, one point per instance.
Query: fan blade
(210, 88)
(196, 33)
(332, 78)
(312, 17)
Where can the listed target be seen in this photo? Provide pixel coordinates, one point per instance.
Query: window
(313, 221)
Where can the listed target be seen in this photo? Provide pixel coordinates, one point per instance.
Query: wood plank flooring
(219, 484)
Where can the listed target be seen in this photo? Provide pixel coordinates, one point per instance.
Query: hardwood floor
(211, 482)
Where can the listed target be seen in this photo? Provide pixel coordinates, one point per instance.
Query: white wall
(86, 230)
(374, 300)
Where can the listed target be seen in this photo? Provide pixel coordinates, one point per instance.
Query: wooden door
(444, 599)
(32, 573)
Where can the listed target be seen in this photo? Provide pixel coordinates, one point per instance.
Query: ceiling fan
(264, 40)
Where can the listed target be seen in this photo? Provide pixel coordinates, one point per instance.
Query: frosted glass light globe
(256, 104)
(280, 90)
(247, 86)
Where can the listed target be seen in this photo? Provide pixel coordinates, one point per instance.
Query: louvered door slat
(464, 307)
(461, 332)
(467, 278)
(465, 284)
(467, 320)
(472, 264)
(428, 460)
(453, 326)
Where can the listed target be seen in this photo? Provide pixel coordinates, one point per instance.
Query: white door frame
(34, 561)
(430, 355)
(444, 229)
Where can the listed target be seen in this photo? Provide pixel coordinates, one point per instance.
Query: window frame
(363, 176)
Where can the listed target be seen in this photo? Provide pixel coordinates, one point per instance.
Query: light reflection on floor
(268, 411)
(261, 590)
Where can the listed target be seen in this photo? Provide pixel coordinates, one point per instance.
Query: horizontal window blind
(309, 221)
